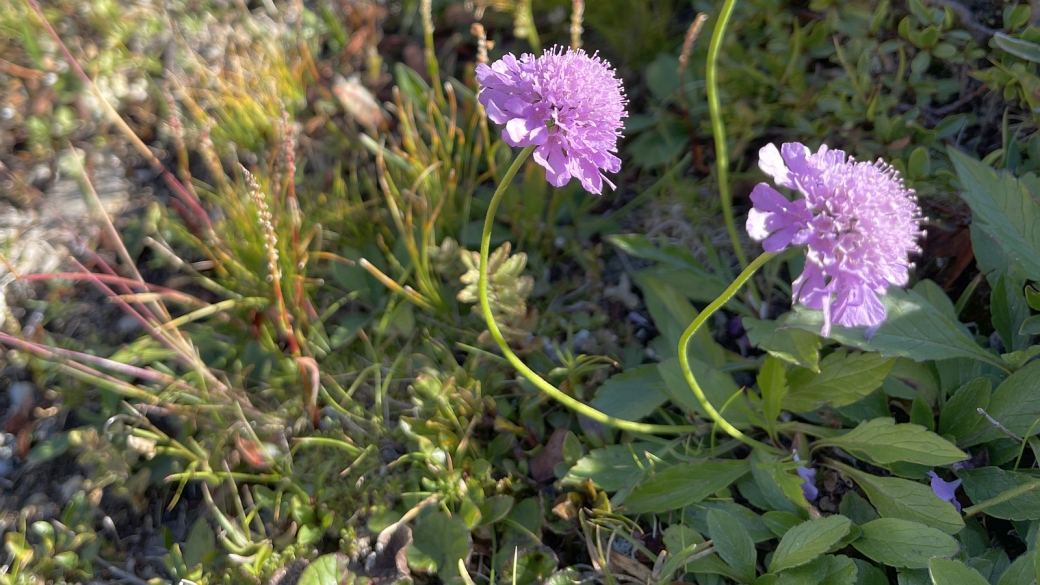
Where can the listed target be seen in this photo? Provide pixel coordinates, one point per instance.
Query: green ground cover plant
(369, 321)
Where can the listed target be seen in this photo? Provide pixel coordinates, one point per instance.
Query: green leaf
(1021, 572)
(780, 522)
(901, 498)
(733, 543)
(960, 417)
(807, 541)
(909, 380)
(1016, 403)
(919, 165)
(986, 483)
(718, 387)
(843, 379)
(1030, 326)
(953, 572)
(781, 490)
(1001, 206)
(913, 329)
(683, 484)
(495, 508)
(330, 569)
(672, 313)
(826, 570)
(794, 346)
(1017, 47)
(678, 538)
(640, 246)
(697, 518)
(869, 574)
(882, 441)
(438, 542)
(613, 467)
(633, 394)
(857, 509)
(1009, 310)
(772, 383)
(902, 543)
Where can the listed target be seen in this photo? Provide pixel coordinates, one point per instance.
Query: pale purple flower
(857, 220)
(808, 475)
(945, 489)
(567, 103)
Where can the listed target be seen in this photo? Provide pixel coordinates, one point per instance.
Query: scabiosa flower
(566, 102)
(858, 221)
(945, 489)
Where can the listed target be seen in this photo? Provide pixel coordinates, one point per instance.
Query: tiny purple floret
(808, 475)
(567, 103)
(857, 220)
(945, 489)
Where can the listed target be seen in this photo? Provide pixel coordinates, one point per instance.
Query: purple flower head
(945, 489)
(567, 103)
(808, 475)
(857, 219)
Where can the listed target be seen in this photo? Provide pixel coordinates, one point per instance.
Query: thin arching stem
(684, 355)
(542, 384)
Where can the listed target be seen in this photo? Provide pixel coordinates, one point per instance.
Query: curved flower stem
(542, 384)
(718, 128)
(684, 355)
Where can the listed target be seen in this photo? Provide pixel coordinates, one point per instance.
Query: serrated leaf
(901, 498)
(843, 379)
(807, 541)
(953, 572)
(794, 346)
(1001, 206)
(733, 543)
(826, 570)
(913, 329)
(902, 543)
(987, 483)
(633, 394)
(881, 441)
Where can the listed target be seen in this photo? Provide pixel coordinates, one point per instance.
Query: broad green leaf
(640, 246)
(882, 441)
(772, 383)
(696, 285)
(902, 543)
(613, 466)
(717, 386)
(869, 574)
(909, 380)
(672, 313)
(330, 569)
(1031, 326)
(857, 509)
(986, 483)
(679, 538)
(991, 259)
(794, 346)
(683, 484)
(1021, 572)
(733, 543)
(937, 297)
(826, 570)
(633, 394)
(780, 522)
(697, 518)
(807, 541)
(960, 417)
(1003, 208)
(843, 379)
(901, 498)
(495, 508)
(438, 542)
(1016, 403)
(953, 572)
(913, 329)
(1008, 311)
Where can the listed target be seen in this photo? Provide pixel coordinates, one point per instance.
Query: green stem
(543, 385)
(718, 128)
(684, 353)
